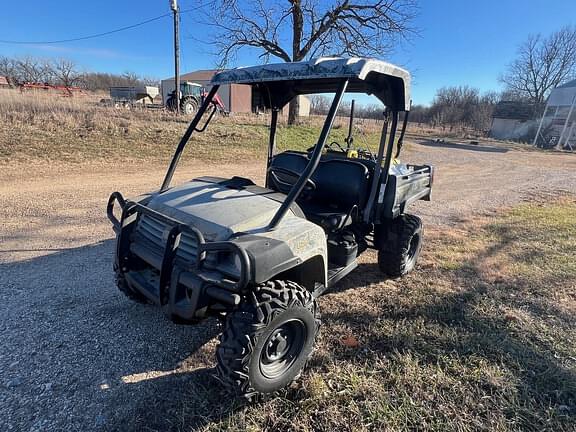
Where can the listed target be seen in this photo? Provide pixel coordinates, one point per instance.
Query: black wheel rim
(282, 348)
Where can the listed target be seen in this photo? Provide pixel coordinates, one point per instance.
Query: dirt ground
(76, 355)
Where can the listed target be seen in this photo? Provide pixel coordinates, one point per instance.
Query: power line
(97, 35)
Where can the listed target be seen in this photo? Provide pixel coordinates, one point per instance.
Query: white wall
(510, 129)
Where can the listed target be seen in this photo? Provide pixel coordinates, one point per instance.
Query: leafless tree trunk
(66, 72)
(542, 64)
(312, 28)
(293, 111)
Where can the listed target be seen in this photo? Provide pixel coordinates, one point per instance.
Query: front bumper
(187, 289)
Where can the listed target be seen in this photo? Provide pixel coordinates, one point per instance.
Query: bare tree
(33, 69)
(103, 81)
(131, 77)
(459, 107)
(542, 64)
(319, 104)
(66, 72)
(150, 81)
(294, 30)
(8, 69)
(371, 111)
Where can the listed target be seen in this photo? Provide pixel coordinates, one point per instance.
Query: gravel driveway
(76, 355)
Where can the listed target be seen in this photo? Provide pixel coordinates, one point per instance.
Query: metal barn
(512, 120)
(237, 98)
(559, 118)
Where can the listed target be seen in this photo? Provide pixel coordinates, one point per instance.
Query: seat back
(290, 160)
(293, 161)
(340, 183)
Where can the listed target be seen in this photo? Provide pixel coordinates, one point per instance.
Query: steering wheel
(334, 143)
(329, 147)
(309, 186)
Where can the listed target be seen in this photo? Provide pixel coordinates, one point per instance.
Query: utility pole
(174, 7)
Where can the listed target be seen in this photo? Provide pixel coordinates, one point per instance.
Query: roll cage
(280, 83)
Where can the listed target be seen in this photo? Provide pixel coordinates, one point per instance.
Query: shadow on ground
(77, 355)
(470, 324)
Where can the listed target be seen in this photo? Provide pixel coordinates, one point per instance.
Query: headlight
(232, 264)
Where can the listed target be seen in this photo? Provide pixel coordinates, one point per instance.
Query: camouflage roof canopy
(281, 82)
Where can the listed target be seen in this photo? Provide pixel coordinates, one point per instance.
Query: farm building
(557, 126)
(237, 98)
(512, 120)
(4, 83)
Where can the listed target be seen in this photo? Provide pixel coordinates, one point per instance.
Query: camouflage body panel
(242, 215)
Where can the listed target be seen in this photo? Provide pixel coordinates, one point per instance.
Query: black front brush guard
(220, 289)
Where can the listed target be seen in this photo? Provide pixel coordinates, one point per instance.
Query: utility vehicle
(257, 257)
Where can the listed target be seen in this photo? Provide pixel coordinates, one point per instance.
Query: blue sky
(460, 42)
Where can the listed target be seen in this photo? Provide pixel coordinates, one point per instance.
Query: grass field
(48, 127)
(53, 128)
(482, 339)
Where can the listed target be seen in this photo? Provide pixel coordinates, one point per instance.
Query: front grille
(155, 233)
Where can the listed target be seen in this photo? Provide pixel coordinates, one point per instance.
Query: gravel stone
(14, 382)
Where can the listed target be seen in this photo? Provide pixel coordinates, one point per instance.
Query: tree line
(458, 106)
(542, 63)
(64, 72)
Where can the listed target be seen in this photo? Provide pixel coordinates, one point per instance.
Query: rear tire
(400, 246)
(268, 340)
(188, 106)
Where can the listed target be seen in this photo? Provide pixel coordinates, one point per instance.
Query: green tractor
(190, 99)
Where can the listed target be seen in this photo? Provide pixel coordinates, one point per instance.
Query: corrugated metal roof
(4, 80)
(563, 95)
(569, 84)
(514, 110)
(199, 75)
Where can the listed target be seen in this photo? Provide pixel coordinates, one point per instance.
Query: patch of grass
(481, 337)
(53, 128)
(538, 241)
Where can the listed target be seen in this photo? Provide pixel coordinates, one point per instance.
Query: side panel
(403, 190)
(295, 242)
(308, 274)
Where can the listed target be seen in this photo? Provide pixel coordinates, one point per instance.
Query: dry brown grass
(49, 127)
